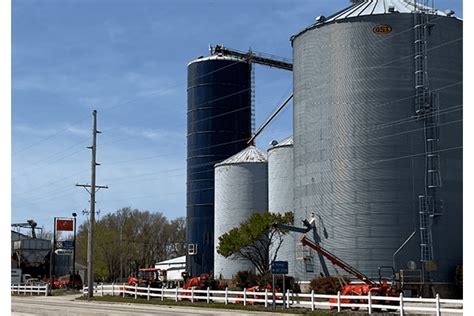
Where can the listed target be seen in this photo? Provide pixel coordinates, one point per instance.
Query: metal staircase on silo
(427, 109)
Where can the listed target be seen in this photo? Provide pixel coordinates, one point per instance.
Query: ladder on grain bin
(426, 109)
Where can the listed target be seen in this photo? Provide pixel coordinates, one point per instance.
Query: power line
(47, 138)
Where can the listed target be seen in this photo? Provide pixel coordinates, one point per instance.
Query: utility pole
(93, 189)
(51, 259)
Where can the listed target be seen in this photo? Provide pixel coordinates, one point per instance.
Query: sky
(128, 60)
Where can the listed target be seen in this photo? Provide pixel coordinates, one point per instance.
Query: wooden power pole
(93, 189)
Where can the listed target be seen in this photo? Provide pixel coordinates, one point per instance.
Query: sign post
(279, 268)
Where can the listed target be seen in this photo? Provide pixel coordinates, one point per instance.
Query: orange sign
(64, 225)
(382, 29)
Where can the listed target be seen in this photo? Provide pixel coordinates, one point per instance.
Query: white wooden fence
(31, 289)
(402, 305)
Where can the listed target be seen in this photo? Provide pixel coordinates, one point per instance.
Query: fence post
(226, 296)
(266, 297)
(113, 289)
(438, 305)
(176, 296)
(369, 302)
(338, 301)
(245, 297)
(208, 295)
(102, 289)
(312, 300)
(287, 298)
(162, 293)
(46, 290)
(192, 294)
(18, 288)
(401, 304)
(148, 294)
(123, 289)
(136, 290)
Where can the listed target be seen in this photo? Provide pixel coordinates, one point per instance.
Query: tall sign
(64, 225)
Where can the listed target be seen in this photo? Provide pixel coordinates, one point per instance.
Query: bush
(327, 285)
(245, 279)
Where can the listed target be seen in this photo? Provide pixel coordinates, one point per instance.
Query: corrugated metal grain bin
(280, 195)
(241, 189)
(378, 135)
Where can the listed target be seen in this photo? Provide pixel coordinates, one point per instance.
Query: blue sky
(128, 59)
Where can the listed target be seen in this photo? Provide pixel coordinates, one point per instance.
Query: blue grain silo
(219, 125)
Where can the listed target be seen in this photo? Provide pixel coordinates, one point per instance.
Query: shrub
(327, 285)
(245, 279)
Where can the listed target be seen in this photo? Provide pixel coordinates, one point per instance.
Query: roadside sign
(65, 244)
(16, 276)
(280, 267)
(64, 225)
(63, 252)
(68, 244)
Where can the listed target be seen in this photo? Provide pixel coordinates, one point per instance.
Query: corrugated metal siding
(241, 189)
(350, 86)
(280, 195)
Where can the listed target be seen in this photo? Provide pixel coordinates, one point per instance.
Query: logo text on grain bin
(382, 29)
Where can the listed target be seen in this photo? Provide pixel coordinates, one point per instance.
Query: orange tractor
(148, 276)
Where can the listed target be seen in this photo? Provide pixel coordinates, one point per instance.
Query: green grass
(157, 301)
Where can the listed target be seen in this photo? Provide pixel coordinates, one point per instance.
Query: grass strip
(157, 301)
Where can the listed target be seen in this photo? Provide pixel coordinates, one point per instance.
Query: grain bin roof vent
(248, 155)
(320, 19)
(286, 142)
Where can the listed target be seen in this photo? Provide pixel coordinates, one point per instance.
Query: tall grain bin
(280, 194)
(219, 124)
(241, 189)
(378, 135)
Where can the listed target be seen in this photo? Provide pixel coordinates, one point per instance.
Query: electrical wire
(48, 137)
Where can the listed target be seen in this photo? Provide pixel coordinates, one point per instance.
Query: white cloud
(157, 135)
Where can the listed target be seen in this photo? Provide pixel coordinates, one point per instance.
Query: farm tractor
(154, 277)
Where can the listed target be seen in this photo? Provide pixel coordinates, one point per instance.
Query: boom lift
(380, 288)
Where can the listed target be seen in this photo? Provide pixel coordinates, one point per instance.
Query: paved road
(67, 305)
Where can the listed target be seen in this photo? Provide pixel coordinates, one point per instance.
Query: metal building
(241, 189)
(219, 124)
(378, 135)
(280, 194)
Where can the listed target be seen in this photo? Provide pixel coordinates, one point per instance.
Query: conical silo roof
(361, 8)
(372, 7)
(248, 155)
